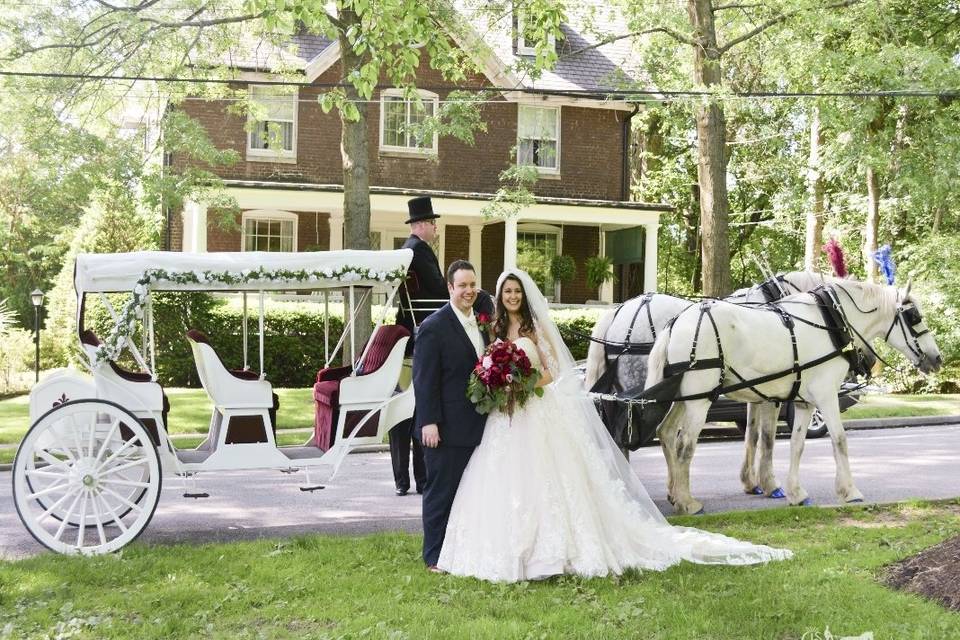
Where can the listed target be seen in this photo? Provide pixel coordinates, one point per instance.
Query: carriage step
(313, 488)
(196, 495)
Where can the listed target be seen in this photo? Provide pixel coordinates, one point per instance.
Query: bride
(547, 491)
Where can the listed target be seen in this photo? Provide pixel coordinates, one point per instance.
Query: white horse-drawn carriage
(88, 474)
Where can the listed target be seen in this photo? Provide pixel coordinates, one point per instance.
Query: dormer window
(272, 124)
(527, 37)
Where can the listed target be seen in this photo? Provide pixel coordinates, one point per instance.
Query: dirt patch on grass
(933, 573)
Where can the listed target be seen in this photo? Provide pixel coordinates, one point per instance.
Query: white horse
(640, 320)
(719, 345)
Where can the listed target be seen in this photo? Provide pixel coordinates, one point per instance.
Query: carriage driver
(424, 292)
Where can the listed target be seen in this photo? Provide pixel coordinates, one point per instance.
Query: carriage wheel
(90, 462)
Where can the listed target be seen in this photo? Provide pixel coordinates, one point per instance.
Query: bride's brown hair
(502, 320)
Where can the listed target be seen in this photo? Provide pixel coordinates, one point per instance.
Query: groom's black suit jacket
(442, 363)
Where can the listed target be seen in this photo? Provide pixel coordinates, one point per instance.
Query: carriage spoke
(116, 454)
(56, 504)
(50, 460)
(93, 436)
(66, 516)
(97, 519)
(125, 483)
(113, 514)
(52, 488)
(44, 473)
(123, 500)
(128, 465)
(103, 447)
(81, 528)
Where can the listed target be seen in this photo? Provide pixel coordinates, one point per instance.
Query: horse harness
(835, 323)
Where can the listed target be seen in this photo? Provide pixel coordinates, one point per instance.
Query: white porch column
(476, 257)
(194, 226)
(650, 257)
(510, 244)
(336, 230)
(442, 246)
(606, 289)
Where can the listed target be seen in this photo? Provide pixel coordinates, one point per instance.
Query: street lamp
(36, 297)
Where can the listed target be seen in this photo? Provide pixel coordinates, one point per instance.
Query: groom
(446, 423)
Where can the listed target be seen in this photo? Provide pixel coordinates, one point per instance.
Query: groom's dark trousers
(442, 362)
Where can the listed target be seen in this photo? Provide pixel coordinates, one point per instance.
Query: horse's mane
(882, 296)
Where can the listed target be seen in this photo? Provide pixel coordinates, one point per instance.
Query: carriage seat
(233, 390)
(114, 382)
(334, 386)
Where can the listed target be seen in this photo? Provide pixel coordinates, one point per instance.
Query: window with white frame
(537, 246)
(527, 36)
(269, 231)
(272, 123)
(400, 118)
(538, 138)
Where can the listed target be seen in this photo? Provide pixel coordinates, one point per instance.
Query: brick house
(289, 182)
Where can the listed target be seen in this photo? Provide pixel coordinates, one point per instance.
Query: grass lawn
(376, 587)
(899, 406)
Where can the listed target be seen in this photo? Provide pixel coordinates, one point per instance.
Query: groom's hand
(430, 435)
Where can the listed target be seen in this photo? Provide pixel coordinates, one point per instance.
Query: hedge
(293, 342)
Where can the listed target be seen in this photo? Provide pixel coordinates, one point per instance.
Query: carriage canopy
(244, 271)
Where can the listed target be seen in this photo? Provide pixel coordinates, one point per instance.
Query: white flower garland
(132, 311)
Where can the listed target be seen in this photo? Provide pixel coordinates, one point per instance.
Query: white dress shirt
(469, 323)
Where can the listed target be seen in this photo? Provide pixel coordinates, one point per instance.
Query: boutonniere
(484, 321)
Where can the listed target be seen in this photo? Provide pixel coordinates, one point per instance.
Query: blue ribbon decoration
(884, 258)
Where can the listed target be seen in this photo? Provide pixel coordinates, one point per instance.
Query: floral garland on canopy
(132, 311)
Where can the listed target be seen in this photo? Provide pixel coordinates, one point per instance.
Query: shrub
(563, 268)
(16, 357)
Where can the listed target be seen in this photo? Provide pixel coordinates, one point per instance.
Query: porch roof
(254, 194)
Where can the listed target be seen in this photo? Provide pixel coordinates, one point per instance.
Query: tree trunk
(815, 189)
(873, 224)
(652, 148)
(356, 178)
(937, 220)
(712, 155)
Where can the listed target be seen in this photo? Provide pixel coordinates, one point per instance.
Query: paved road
(888, 465)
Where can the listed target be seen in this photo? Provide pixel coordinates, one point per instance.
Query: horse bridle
(910, 321)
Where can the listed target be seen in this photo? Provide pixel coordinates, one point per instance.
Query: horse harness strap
(835, 325)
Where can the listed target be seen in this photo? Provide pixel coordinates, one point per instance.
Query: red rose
(483, 318)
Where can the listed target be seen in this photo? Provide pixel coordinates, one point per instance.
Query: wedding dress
(547, 492)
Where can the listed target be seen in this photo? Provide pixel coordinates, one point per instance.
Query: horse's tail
(658, 358)
(596, 353)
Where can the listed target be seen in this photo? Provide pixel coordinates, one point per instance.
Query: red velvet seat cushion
(327, 397)
(381, 346)
(333, 373)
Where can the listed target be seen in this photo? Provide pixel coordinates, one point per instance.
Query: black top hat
(420, 209)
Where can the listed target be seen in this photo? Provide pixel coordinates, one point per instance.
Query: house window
(538, 138)
(536, 248)
(527, 36)
(272, 124)
(399, 119)
(269, 231)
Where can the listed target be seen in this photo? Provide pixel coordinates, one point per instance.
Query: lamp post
(36, 297)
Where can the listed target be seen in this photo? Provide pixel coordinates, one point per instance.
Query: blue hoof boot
(854, 500)
(806, 502)
(778, 493)
(756, 491)
(700, 513)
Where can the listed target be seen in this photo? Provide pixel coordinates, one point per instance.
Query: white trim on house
(256, 154)
(426, 96)
(537, 228)
(322, 61)
(549, 171)
(268, 215)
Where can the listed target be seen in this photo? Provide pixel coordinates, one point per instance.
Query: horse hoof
(778, 493)
(700, 513)
(756, 491)
(854, 500)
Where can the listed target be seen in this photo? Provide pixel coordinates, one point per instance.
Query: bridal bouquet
(503, 378)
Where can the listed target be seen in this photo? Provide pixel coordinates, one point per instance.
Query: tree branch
(745, 5)
(777, 20)
(676, 35)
